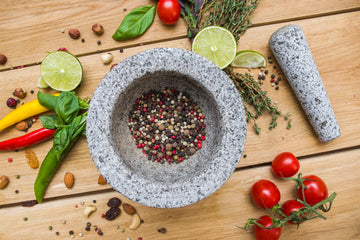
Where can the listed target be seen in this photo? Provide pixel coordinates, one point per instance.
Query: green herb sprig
(252, 94)
(234, 15)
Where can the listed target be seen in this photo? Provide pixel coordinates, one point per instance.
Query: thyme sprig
(252, 94)
(234, 15)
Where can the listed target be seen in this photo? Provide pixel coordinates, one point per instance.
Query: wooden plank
(283, 11)
(213, 218)
(329, 42)
(34, 27)
(259, 149)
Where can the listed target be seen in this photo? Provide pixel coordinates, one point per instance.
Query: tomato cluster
(312, 195)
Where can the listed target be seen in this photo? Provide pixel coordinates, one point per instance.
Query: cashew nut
(89, 209)
(135, 222)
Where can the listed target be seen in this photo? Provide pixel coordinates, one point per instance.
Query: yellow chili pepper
(25, 111)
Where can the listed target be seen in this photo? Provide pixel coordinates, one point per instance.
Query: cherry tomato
(266, 234)
(168, 11)
(265, 194)
(285, 165)
(316, 190)
(292, 206)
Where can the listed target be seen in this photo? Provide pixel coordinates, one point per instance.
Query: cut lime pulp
(61, 71)
(249, 59)
(216, 44)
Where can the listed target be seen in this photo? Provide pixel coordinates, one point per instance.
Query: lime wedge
(42, 83)
(61, 70)
(216, 44)
(249, 59)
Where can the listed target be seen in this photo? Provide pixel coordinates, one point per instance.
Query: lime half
(42, 83)
(216, 44)
(249, 59)
(61, 70)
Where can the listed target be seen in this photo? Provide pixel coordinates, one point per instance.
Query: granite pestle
(291, 50)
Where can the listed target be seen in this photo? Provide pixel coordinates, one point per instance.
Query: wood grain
(300, 140)
(31, 28)
(212, 218)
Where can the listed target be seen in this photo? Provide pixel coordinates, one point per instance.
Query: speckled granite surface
(293, 54)
(124, 166)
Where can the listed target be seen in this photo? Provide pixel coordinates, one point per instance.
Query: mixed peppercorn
(168, 125)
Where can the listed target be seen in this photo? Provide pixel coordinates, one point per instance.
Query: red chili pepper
(29, 139)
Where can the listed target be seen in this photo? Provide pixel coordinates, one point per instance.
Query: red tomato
(285, 165)
(266, 234)
(168, 11)
(265, 194)
(316, 190)
(292, 206)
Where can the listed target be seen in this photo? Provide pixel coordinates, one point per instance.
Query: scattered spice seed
(32, 91)
(266, 71)
(50, 228)
(16, 191)
(165, 124)
(10, 159)
(121, 50)
(94, 201)
(71, 232)
(17, 176)
(57, 233)
(122, 230)
(272, 76)
(276, 88)
(25, 218)
(98, 42)
(245, 156)
(11, 102)
(162, 230)
(82, 40)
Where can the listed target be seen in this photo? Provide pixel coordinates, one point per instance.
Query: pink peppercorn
(203, 138)
(9, 159)
(103, 215)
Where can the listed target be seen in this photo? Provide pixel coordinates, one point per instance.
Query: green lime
(42, 83)
(249, 59)
(216, 44)
(61, 70)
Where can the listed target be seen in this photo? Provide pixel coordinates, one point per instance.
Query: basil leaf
(47, 100)
(67, 107)
(49, 121)
(135, 23)
(61, 140)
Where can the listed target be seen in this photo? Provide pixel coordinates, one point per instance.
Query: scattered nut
(3, 59)
(107, 58)
(74, 33)
(98, 29)
(4, 181)
(129, 209)
(69, 180)
(135, 222)
(101, 180)
(22, 126)
(89, 209)
(19, 92)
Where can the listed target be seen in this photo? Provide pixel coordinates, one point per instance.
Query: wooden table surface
(29, 29)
